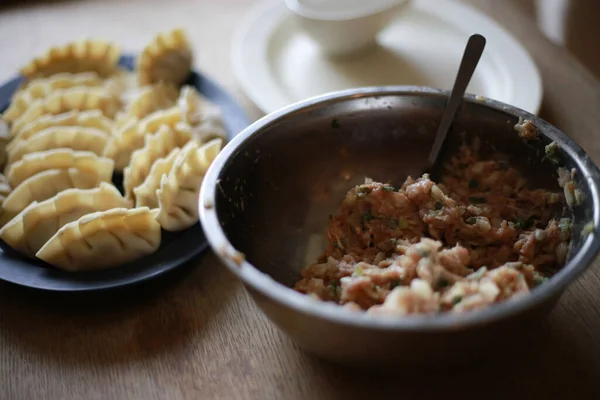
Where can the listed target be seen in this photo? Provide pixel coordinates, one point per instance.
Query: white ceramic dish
(344, 27)
(276, 64)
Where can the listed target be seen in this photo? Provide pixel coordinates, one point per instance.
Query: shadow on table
(160, 316)
(535, 372)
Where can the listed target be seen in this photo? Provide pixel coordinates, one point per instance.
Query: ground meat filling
(479, 237)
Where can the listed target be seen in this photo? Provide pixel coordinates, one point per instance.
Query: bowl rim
(286, 296)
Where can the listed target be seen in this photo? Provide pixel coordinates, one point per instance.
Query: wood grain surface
(196, 334)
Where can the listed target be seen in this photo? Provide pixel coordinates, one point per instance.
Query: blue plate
(175, 249)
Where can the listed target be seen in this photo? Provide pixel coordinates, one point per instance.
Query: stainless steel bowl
(265, 202)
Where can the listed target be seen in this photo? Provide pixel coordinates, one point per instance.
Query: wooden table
(196, 334)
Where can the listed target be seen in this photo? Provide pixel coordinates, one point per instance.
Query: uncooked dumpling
(86, 119)
(131, 136)
(125, 81)
(145, 194)
(205, 131)
(4, 190)
(178, 192)
(42, 87)
(202, 118)
(31, 228)
(57, 137)
(77, 98)
(146, 100)
(5, 136)
(80, 56)
(34, 163)
(168, 58)
(46, 184)
(156, 146)
(195, 106)
(193, 117)
(103, 240)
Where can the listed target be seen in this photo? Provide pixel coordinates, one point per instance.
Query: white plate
(276, 64)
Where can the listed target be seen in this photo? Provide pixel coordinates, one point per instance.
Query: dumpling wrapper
(5, 136)
(34, 163)
(204, 131)
(103, 240)
(85, 119)
(4, 189)
(57, 137)
(47, 184)
(77, 98)
(179, 190)
(167, 58)
(146, 100)
(79, 56)
(125, 81)
(31, 228)
(42, 87)
(145, 193)
(156, 146)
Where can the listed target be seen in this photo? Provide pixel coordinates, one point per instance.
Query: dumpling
(46, 184)
(203, 118)
(146, 100)
(19, 103)
(131, 137)
(178, 192)
(126, 82)
(145, 194)
(42, 87)
(86, 119)
(167, 58)
(195, 106)
(4, 190)
(85, 55)
(34, 163)
(204, 131)
(156, 146)
(193, 116)
(103, 240)
(77, 98)
(4, 140)
(56, 137)
(31, 228)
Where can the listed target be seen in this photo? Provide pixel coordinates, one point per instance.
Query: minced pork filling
(479, 237)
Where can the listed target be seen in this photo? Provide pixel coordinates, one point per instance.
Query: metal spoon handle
(471, 56)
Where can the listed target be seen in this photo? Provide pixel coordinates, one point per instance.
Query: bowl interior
(278, 188)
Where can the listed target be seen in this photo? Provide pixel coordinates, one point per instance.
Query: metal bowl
(265, 202)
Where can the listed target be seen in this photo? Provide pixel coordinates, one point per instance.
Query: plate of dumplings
(102, 158)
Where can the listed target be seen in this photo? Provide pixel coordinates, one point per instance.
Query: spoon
(470, 58)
